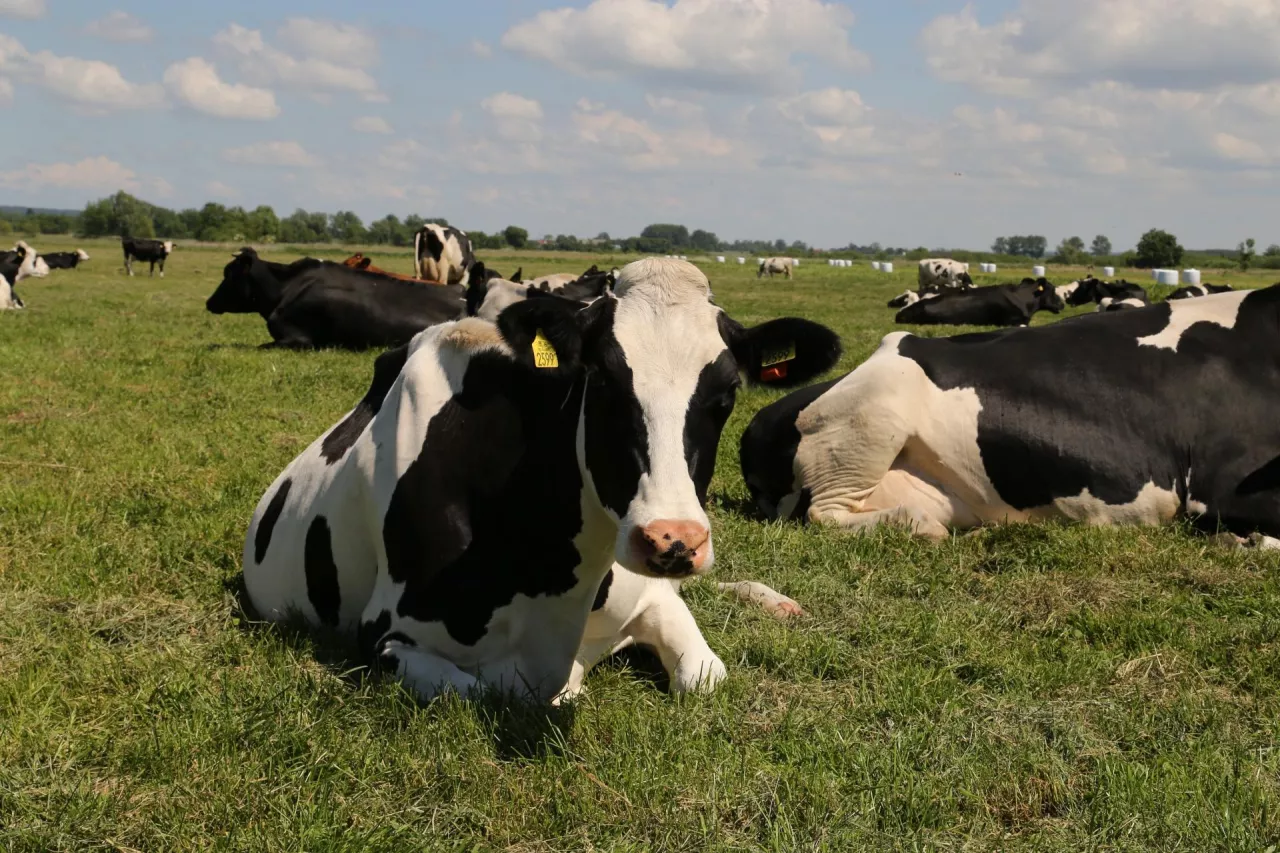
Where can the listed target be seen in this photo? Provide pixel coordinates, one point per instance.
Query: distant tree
(1070, 251)
(169, 224)
(675, 235)
(346, 227)
(516, 238)
(1000, 246)
(1158, 249)
(1101, 246)
(413, 223)
(603, 237)
(303, 227)
(1247, 254)
(190, 219)
(1029, 246)
(1273, 251)
(704, 241)
(262, 225)
(5, 227)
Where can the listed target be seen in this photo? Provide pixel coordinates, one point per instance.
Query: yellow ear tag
(777, 355)
(544, 354)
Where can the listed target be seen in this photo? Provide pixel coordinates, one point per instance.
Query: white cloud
(275, 153)
(195, 83)
(674, 107)
(696, 44)
(27, 10)
(92, 85)
(91, 173)
(1243, 150)
(516, 117)
(120, 27)
(217, 189)
(6, 91)
(372, 124)
(342, 44)
(481, 49)
(828, 113)
(269, 66)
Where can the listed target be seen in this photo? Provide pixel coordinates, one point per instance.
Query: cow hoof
(768, 599)
(1263, 542)
(698, 676)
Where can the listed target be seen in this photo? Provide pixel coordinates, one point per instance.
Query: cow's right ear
(518, 278)
(782, 353)
(544, 335)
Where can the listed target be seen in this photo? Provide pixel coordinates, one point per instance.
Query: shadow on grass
(744, 508)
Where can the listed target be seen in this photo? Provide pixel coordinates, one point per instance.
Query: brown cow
(360, 262)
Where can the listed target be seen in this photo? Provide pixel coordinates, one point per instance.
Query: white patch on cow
(474, 335)
(667, 328)
(7, 302)
(500, 295)
(940, 272)
(1264, 543)
(1108, 303)
(1222, 309)
(1067, 290)
(82, 254)
(168, 247)
(1153, 506)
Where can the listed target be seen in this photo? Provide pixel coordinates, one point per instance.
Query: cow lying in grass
(1181, 421)
(359, 262)
(500, 487)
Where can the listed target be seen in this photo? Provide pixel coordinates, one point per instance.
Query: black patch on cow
(1057, 425)
(602, 594)
(490, 507)
(386, 369)
(817, 348)
(767, 451)
(709, 408)
(464, 246)
(435, 246)
(370, 633)
(999, 305)
(262, 539)
(321, 571)
(613, 419)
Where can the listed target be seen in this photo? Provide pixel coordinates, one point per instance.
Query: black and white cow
(911, 297)
(1095, 290)
(943, 273)
(14, 267)
(776, 266)
(20, 252)
(65, 260)
(952, 433)
(442, 253)
(152, 251)
(463, 519)
(1107, 304)
(313, 304)
(1000, 305)
(1195, 291)
(488, 294)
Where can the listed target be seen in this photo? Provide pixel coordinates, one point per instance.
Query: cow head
(357, 261)
(661, 366)
(965, 279)
(31, 265)
(489, 294)
(1047, 298)
(82, 254)
(168, 247)
(237, 293)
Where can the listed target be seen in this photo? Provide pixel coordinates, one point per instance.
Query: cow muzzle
(671, 549)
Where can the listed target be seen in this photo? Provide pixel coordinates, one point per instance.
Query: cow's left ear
(544, 335)
(782, 353)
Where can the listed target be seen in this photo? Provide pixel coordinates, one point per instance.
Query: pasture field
(1025, 688)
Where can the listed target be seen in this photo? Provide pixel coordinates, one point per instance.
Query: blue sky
(914, 122)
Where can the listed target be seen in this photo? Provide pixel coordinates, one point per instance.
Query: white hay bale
(719, 259)
(1109, 271)
(1191, 276)
(1038, 272)
(794, 262)
(1168, 277)
(1155, 275)
(875, 265)
(886, 267)
(742, 260)
(993, 267)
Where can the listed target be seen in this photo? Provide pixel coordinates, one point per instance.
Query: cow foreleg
(915, 520)
(128, 265)
(767, 598)
(425, 674)
(589, 654)
(162, 267)
(669, 629)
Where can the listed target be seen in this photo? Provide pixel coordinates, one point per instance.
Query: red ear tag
(777, 371)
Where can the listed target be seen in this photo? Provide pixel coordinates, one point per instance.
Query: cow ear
(518, 278)
(544, 335)
(782, 353)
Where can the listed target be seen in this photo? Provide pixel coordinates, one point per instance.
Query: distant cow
(153, 251)
(1001, 305)
(1137, 418)
(1195, 291)
(1107, 304)
(488, 294)
(313, 304)
(775, 266)
(442, 253)
(1094, 290)
(66, 260)
(468, 520)
(359, 262)
(943, 273)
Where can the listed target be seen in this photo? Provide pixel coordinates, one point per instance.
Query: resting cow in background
(154, 251)
(15, 266)
(463, 520)
(775, 266)
(488, 294)
(1195, 291)
(943, 273)
(359, 262)
(65, 260)
(1182, 421)
(442, 253)
(1094, 290)
(313, 304)
(1001, 305)
(21, 251)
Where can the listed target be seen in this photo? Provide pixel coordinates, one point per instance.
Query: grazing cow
(313, 304)
(488, 294)
(775, 266)
(359, 262)
(154, 251)
(463, 519)
(1093, 290)
(1000, 305)
(943, 273)
(65, 260)
(952, 433)
(442, 253)
(1195, 291)
(20, 252)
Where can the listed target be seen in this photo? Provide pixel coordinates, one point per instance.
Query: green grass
(1028, 688)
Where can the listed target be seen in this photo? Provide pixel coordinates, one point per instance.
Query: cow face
(168, 247)
(236, 293)
(661, 366)
(1047, 298)
(82, 254)
(965, 279)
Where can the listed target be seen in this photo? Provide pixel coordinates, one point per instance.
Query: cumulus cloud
(372, 124)
(828, 113)
(217, 189)
(726, 45)
(516, 117)
(275, 153)
(26, 10)
(91, 173)
(91, 85)
(261, 63)
(195, 83)
(120, 27)
(481, 49)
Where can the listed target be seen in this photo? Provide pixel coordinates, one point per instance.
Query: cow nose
(672, 548)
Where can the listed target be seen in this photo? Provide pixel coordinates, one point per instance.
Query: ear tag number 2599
(544, 354)
(773, 361)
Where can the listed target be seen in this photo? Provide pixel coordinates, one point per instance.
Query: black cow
(65, 260)
(1001, 305)
(313, 304)
(465, 520)
(1195, 291)
(1095, 290)
(951, 433)
(153, 251)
